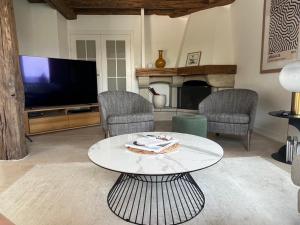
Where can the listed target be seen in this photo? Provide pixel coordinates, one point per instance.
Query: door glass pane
(112, 84)
(120, 45)
(121, 84)
(80, 49)
(121, 63)
(110, 49)
(111, 68)
(91, 49)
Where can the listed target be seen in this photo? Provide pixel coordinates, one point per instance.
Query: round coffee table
(156, 189)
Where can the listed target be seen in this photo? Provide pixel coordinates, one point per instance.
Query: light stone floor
(72, 146)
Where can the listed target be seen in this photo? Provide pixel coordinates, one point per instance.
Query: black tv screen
(56, 82)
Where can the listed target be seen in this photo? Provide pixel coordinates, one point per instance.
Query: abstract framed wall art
(280, 36)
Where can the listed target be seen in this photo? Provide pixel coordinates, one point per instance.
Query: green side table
(190, 124)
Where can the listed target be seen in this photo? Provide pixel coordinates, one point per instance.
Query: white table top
(194, 153)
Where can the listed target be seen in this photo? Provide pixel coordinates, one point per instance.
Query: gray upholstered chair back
(121, 102)
(231, 101)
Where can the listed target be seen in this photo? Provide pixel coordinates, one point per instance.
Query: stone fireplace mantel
(217, 76)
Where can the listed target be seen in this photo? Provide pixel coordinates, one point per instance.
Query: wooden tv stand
(51, 119)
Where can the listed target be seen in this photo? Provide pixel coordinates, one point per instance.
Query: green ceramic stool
(190, 124)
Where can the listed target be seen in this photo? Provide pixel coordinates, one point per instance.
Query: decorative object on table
(125, 112)
(159, 101)
(291, 148)
(230, 111)
(153, 144)
(160, 62)
(295, 174)
(193, 59)
(279, 44)
(294, 120)
(290, 79)
(190, 124)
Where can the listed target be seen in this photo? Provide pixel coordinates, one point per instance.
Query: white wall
(44, 32)
(210, 32)
(22, 11)
(247, 17)
(41, 30)
(63, 36)
(164, 33)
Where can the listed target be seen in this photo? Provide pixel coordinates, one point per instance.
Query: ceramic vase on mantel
(160, 62)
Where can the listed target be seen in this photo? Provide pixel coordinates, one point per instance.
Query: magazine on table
(152, 143)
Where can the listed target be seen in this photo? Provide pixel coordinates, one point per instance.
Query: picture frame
(193, 59)
(279, 45)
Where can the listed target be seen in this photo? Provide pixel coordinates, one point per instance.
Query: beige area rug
(238, 191)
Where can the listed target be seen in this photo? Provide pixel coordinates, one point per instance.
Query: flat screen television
(57, 82)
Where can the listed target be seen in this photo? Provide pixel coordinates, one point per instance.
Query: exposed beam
(36, 1)
(101, 11)
(137, 4)
(64, 9)
(172, 8)
(209, 5)
(12, 132)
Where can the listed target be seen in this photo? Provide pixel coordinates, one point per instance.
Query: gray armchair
(230, 111)
(125, 112)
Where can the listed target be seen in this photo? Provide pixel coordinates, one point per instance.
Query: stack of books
(153, 143)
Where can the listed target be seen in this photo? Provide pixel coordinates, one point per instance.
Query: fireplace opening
(192, 93)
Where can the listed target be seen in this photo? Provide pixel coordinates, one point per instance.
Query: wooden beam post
(12, 136)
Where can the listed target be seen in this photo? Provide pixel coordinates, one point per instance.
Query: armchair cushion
(235, 118)
(130, 118)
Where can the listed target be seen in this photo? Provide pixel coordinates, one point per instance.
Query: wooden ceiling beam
(137, 4)
(64, 9)
(60, 6)
(217, 3)
(36, 1)
(101, 11)
(173, 8)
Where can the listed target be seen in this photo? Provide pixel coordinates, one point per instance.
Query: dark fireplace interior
(192, 93)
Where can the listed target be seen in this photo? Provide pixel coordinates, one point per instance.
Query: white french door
(116, 62)
(112, 55)
(87, 47)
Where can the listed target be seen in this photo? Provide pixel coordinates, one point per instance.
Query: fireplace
(192, 93)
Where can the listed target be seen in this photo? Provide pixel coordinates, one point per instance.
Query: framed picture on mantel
(193, 59)
(280, 36)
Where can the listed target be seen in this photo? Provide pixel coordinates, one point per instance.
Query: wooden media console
(51, 119)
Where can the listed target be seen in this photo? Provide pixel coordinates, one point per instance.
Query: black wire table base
(156, 200)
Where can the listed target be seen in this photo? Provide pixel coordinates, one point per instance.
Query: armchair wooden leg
(249, 134)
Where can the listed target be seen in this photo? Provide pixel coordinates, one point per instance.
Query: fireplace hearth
(192, 93)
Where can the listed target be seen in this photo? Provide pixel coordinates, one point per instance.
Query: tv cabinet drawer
(39, 125)
(84, 119)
